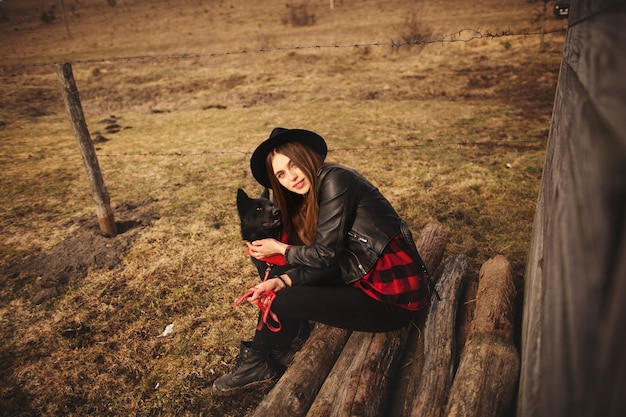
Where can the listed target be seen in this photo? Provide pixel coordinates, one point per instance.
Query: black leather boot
(282, 358)
(251, 368)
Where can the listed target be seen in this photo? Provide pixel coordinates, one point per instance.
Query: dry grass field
(176, 95)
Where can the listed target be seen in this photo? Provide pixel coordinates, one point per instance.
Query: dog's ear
(266, 193)
(243, 201)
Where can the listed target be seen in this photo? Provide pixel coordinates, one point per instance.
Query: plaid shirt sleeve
(397, 278)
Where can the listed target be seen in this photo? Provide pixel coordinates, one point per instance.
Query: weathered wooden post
(106, 217)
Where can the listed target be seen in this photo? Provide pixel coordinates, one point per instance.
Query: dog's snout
(275, 211)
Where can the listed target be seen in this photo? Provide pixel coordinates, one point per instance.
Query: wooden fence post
(106, 217)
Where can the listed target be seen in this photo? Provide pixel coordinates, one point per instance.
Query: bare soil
(42, 276)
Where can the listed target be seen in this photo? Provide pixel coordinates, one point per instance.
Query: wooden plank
(531, 320)
(594, 52)
(572, 359)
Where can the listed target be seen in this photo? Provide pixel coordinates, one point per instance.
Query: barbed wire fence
(462, 35)
(518, 144)
(465, 35)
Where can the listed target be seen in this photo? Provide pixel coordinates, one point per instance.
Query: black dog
(260, 219)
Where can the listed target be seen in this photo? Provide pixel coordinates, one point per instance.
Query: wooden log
(404, 387)
(294, 394)
(487, 376)
(431, 244)
(439, 343)
(360, 382)
(106, 217)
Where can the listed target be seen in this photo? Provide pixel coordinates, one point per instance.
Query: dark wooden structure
(573, 356)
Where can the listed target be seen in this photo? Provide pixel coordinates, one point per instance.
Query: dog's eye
(259, 209)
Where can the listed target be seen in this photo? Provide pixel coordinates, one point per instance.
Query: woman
(355, 265)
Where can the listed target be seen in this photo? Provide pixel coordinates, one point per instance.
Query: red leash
(265, 304)
(267, 298)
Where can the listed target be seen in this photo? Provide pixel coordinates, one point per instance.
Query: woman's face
(289, 175)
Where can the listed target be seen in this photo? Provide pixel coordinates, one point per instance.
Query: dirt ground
(45, 275)
(80, 310)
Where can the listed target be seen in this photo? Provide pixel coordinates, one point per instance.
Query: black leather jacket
(355, 225)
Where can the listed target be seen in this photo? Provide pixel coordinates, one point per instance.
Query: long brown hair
(300, 212)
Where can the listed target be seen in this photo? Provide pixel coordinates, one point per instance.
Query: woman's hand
(266, 247)
(272, 284)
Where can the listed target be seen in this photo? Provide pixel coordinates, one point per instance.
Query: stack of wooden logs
(412, 371)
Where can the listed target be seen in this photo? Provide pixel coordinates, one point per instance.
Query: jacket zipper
(363, 271)
(357, 237)
(362, 240)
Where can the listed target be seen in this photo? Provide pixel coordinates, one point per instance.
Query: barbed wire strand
(462, 35)
(514, 144)
(518, 144)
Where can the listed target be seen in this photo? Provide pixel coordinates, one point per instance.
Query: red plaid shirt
(397, 278)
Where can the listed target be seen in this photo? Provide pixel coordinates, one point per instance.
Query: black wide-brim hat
(278, 137)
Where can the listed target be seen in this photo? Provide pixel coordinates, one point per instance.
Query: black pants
(337, 306)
